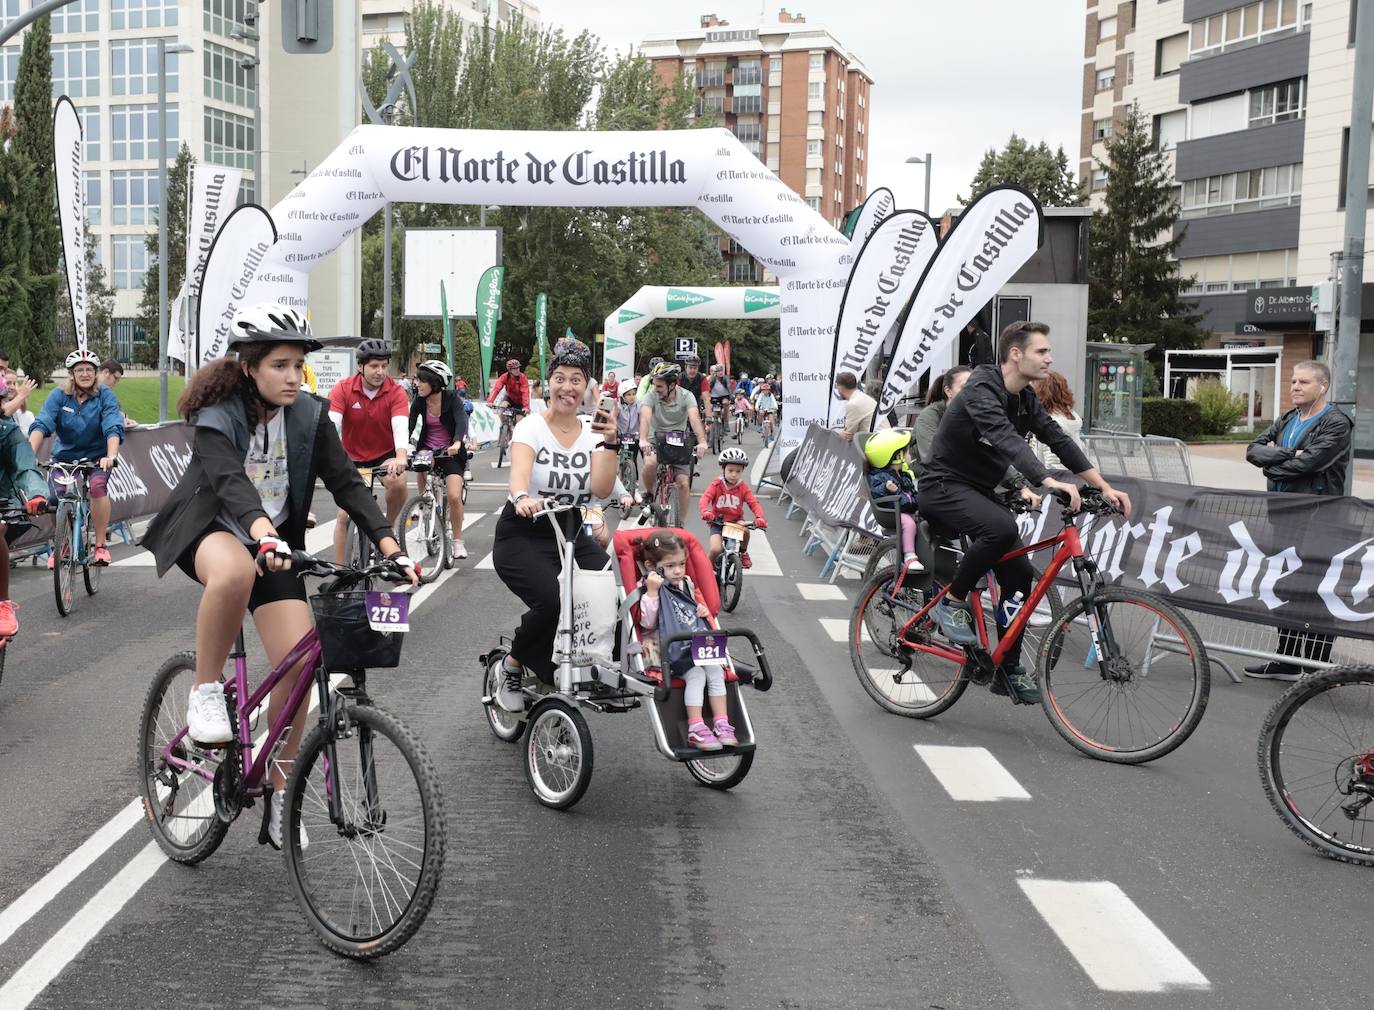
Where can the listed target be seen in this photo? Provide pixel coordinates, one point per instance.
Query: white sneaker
(207, 720)
(509, 694)
(274, 824)
(460, 549)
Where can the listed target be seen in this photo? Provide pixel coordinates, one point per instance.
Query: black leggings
(525, 555)
(991, 531)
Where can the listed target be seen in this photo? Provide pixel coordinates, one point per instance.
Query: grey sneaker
(510, 695)
(955, 621)
(1275, 671)
(1022, 684)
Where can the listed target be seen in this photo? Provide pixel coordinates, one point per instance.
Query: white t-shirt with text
(561, 474)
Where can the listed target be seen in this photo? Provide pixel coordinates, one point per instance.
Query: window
(813, 148)
(775, 65)
(223, 17)
(716, 104)
(1130, 68)
(1345, 155)
(1221, 115)
(814, 119)
(748, 72)
(225, 76)
(90, 129)
(748, 131)
(745, 101)
(9, 70)
(130, 261)
(76, 69)
(133, 68)
(1106, 29)
(134, 196)
(125, 333)
(742, 269)
(1099, 179)
(143, 13)
(81, 16)
(1247, 26)
(815, 91)
(689, 74)
(814, 202)
(1102, 128)
(92, 198)
(1234, 192)
(813, 178)
(133, 132)
(1274, 268)
(818, 61)
(228, 139)
(714, 77)
(1170, 54)
(1106, 79)
(1278, 103)
(1170, 128)
(1011, 309)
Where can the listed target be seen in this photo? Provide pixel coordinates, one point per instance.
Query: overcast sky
(952, 77)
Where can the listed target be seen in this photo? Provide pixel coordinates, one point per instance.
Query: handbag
(677, 612)
(595, 610)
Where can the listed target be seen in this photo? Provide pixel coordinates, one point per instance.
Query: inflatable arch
(708, 169)
(650, 303)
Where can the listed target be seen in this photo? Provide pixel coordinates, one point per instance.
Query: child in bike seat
(890, 474)
(724, 499)
(666, 585)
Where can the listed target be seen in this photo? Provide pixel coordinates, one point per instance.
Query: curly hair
(1055, 394)
(223, 379)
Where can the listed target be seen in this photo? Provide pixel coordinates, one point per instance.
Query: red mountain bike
(1123, 674)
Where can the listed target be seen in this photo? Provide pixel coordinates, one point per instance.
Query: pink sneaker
(699, 735)
(100, 556)
(9, 624)
(725, 733)
(51, 560)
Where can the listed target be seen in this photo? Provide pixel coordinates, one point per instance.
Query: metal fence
(1152, 457)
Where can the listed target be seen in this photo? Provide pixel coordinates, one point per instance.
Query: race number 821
(708, 650)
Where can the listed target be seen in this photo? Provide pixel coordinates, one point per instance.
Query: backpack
(677, 612)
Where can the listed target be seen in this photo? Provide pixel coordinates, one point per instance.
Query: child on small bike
(724, 499)
(742, 406)
(890, 474)
(665, 559)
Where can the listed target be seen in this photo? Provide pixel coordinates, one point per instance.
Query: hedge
(1180, 419)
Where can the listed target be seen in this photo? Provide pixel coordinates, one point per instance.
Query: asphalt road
(841, 873)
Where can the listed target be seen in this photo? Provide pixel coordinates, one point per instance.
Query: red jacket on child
(722, 503)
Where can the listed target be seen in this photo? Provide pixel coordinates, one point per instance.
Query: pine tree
(15, 282)
(1135, 292)
(100, 298)
(178, 195)
(1042, 172)
(36, 349)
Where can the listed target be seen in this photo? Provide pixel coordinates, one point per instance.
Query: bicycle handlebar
(77, 466)
(1090, 497)
(760, 681)
(304, 563)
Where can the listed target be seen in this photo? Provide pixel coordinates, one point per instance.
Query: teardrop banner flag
(234, 258)
(992, 239)
(214, 190)
(541, 334)
(449, 349)
(882, 281)
(879, 206)
(68, 148)
(488, 312)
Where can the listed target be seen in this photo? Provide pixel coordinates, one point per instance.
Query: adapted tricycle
(557, 741)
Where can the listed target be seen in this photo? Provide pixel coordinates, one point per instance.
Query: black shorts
(451, 466)
(269, 587)
(373, 464)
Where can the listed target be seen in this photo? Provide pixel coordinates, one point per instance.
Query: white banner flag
(879, 206)
(235, 257)
(991, 240)
(176, 326)
(881, 283)
(68, 148)
(214, 189)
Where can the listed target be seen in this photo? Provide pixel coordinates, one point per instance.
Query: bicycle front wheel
(419, 531)
(932, 684)
(731, 581)
(1316, 760)
(64, 559)
(366, 880)
(90, 574)
(1145, 697)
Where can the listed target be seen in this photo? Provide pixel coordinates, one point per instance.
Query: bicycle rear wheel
(1316, 760)
(419, 531)
(887, 553)
(365, 883)
(90, 573)
(933, 683)
(179, 805)
(64, 559)
(1153, 692)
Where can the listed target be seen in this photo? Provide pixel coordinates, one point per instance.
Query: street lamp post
(162, 50)
(926, 161)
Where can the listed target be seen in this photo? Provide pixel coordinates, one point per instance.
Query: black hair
(1017, 335)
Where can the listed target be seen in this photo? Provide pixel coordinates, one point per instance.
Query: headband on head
(571, 353)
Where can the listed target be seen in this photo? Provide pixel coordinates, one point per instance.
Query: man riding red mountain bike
(515, 385)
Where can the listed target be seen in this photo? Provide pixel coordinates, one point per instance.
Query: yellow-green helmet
(883, 446)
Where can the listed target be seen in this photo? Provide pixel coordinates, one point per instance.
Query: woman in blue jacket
(88, 424)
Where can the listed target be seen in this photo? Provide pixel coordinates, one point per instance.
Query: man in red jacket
(515, 384)
(724, 499)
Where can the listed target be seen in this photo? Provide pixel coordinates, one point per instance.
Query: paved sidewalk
(1222, 464)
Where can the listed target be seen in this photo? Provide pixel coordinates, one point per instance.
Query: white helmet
(270, 323)
(81, 356)
(440, 371)
(743, 376)
(734, 454)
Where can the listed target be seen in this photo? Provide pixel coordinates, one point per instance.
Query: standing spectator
(111, 371)
(980, 344)
(1057, 399)
(16, 400)
(1306, 451)
(536, 397)
(858, 405)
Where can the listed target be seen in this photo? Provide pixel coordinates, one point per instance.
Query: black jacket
(980, 351)
(452, 414)
(1321, 467)
(215, 479)
(984, 431)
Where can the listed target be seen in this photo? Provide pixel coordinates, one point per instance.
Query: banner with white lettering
(68, 151)
(234, 259)
(214, 191)
(176, 326)
(991, 240)
(883, 279)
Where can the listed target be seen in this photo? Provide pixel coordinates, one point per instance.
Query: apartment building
(1251, 104)
(385, 19)
(104, 55)
(794, 96)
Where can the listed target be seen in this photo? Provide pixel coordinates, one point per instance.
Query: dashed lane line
(820, 591)
(1114, 942)
(838, 629)
(970, 774)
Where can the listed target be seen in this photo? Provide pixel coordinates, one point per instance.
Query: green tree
(1135, 292)
(100, 299)
(15, 281)
(36, 347)
(1042, 172)
(178, 195)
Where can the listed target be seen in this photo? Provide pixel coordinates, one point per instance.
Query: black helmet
(370, 349)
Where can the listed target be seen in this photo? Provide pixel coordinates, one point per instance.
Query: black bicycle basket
(346, 638)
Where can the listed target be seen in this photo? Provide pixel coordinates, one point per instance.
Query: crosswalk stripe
(838, 629)
(761, 553)
(912, 690)
(820, 591)
(971, 774)
(1110, 937)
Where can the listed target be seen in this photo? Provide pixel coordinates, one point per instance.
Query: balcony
(1242, 69)
(1260, 147)
(1252, 231)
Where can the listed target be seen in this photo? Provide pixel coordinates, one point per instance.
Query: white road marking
(911, 689)
(761, 553)
(1111, 938)
(971, 773)
(838, 629)
(820, 591)
(471, 517)
(485, 564)
(316, 540)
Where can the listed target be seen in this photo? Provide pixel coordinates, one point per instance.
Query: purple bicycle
(363, 831)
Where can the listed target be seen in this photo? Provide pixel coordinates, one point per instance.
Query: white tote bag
(595, 606)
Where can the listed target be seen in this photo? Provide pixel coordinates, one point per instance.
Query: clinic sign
(1279, 305)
